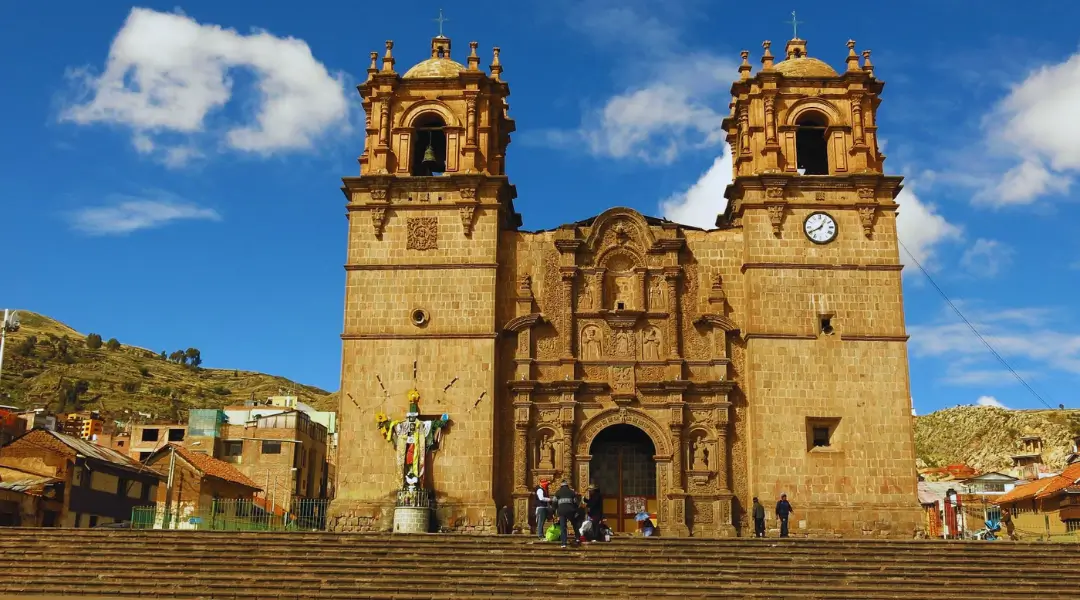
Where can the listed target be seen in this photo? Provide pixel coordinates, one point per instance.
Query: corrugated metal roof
(25, 483)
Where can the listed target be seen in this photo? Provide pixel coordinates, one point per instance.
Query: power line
(972, 327)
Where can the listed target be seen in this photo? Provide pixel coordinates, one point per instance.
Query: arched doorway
(622, 466)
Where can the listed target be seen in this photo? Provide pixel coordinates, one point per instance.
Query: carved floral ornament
(776, 217)
(467, 212)
(378, 220)
(868, 215)
(422, 233)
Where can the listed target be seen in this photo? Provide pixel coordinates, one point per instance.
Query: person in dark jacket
(565, 506)
(758, 512)
(783, 510)
(594, 501)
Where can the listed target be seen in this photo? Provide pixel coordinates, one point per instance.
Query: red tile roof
(1022, 492)
(1070, 476)
(212, 467)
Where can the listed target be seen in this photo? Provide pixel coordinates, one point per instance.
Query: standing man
(758, 512)
(542, 502)
(565, 507)
(783, 509)
(1007, 519)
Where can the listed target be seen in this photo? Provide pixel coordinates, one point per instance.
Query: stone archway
(595, 427)
(623, 466)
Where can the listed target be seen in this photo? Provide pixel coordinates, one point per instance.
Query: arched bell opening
(623, 467)
(429, 146)
(811, 144)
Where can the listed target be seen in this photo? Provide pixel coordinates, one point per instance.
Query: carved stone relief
(699, 454)
(622, 379)
(651, 341)
(623, 346)
(657, 301)
(422, 233)
(592, 347)
(546, 458)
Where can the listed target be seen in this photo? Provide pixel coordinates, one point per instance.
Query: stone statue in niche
(547, 453)
(650, 344)
(588, 300)
(622, 293)
(700, 454)
(656, 294)
(591, 346)
(622, 343)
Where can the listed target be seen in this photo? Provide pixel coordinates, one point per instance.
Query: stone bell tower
(424, 222)
(824, 325)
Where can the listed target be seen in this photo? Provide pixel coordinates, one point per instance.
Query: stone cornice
(820, 266)
(419, 266)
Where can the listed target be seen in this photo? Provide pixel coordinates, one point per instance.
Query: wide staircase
(82, 563)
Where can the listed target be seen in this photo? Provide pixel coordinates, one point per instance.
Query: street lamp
(10, 323)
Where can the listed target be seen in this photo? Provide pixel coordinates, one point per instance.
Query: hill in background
(985, 437)
(48, 364)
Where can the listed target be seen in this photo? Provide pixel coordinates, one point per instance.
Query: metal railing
(236, 515)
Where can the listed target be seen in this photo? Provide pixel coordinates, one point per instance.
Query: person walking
(543, 501)
(758, 512)
(783, 510)
(1007, 520)
(565, 507)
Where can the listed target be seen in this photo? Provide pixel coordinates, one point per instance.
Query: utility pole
(169, 487)
(10, 323)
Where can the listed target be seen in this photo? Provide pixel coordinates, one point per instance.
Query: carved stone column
(744, 131)
(567, 418)
(672, 274)
(568, 275)
(722, 458)
(522, 391)
(676, 409)
(857, 120)
(770, 121)
(384, 122)
(470, 121)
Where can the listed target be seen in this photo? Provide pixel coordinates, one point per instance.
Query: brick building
(683, 370)
(147, 439)
(99, 485)
(198, 480)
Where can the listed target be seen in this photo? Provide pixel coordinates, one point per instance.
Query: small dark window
(821, 437)
(176, 435)
(811, 146)
(150, 435)
(93, 520)
(120, 444)
(271, 447)
(144, 455)
(234, 448)
(620, 306)
(821, 433)
(826, 325)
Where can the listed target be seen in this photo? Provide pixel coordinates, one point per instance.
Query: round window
(419, 317)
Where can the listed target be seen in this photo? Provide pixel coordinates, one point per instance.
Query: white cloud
(666, 110)
(1037, 125)
(166, 73)
(1030, 339)
(921, 229)
(126, 214)
(990, 401)
(702, 202)
(986, 258)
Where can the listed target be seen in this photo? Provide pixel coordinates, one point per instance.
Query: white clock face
(820, 228)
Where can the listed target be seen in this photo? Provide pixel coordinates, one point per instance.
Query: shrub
(26, 347)
(144, 371)
(112, 344)
(27, 374)
(221, 390)
(93, 341)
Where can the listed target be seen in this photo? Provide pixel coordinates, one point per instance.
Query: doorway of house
(622, 466)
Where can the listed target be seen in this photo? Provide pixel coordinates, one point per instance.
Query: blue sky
(201, 206)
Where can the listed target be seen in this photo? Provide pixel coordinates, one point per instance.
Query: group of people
(577, 518)
(783, 511)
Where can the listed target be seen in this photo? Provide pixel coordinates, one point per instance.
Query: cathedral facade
(682, 371)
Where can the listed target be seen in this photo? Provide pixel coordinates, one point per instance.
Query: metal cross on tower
(443, 19)
(794, 25)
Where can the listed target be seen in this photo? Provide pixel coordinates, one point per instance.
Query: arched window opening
(811, 146)
(429, 146)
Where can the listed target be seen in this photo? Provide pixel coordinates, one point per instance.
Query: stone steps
(247, 565)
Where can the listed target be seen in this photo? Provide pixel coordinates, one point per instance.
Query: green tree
(71, 394)
(178, 357)
(164, 356)
(112, 344)
(93, 341)
(194, 357)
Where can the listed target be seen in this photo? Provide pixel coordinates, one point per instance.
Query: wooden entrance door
(622, 466)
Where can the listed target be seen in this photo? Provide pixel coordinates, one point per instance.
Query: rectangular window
(271, 447)
(150, 435)
(821, 433)
(234, 448)
(93, 520)
(176, 435)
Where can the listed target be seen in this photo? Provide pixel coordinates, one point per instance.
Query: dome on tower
(436, 68)
(805, 67)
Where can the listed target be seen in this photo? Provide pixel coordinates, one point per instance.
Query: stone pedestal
(410, 519)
